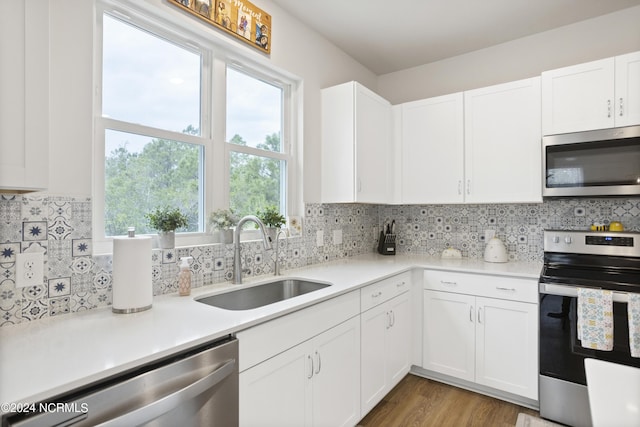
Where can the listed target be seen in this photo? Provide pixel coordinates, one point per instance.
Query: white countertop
(43, 358)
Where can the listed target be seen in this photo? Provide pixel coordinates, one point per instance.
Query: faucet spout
(237, 259)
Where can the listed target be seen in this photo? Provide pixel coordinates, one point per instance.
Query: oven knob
(567, 240)
(556, 239)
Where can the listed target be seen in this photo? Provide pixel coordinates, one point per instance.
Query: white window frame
(216, 52)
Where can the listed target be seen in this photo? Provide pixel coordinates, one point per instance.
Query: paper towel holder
(132, 288)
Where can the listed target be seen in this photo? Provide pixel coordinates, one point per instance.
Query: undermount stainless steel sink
(261, 295)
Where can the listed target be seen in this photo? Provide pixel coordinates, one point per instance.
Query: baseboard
(477, 388)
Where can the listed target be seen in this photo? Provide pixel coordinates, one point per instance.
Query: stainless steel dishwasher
(196, 387)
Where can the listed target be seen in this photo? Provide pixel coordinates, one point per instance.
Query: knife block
(387, 244)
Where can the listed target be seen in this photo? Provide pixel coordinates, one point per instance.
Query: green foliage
(271, 217)
(167, 219)
(167, 173)
(164, 173)
(254, 181)
(222, 219)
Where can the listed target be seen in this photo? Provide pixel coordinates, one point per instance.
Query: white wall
(302, 52)
(295, 49)
(597, 38)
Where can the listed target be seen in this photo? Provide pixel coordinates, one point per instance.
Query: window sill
(105, 247)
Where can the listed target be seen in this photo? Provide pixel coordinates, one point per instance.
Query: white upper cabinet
(503, 143)
(432, 147)
(480, 146)
(595, 95)
(628, 89)
(357, 152)
(24, 100)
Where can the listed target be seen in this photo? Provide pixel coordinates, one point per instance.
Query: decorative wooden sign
(237, 17)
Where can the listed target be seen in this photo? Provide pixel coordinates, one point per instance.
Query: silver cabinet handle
(468, 186)
(621, 109)
(500, 288)
(319, 363)
(471, 313)
(155, 409)
(376, 295)
(401, 284)
(447, 283)
(388, 320)
(608, 108)
(393, 319)
(310, 374)
(479, 313)
(459, 187)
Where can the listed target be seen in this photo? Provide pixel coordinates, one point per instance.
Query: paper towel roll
(132, 288)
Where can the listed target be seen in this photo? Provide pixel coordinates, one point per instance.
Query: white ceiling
(392, 35)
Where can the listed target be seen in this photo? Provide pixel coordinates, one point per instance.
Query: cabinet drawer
(275, 336)
(507, 288)
(384, 290)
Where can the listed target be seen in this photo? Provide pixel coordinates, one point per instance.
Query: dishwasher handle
(161, 406)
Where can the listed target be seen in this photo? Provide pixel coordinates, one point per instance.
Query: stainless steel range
(572, 260)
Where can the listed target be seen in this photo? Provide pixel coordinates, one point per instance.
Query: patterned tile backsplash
(77, 280)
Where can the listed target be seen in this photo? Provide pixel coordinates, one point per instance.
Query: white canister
(132, 286)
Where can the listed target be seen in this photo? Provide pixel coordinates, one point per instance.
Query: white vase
(167, 239)
(223, 236)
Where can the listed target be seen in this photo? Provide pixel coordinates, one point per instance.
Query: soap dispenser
(184, 277)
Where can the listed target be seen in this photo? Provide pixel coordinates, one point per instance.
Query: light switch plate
(29, 269)
(337, 237)
(319, 238)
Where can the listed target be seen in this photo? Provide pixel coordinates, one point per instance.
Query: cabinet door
(502, 143)
(577, 98)
(432, 150)
(398, 340)
(277, 392)
(627, 84)
(373, 148)
(336, 378)
(507, 346)
(449, 334)
(373, 384)
(337, 148)
(24, 103)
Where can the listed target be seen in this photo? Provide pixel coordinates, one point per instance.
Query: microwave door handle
(161, 406)
(572, 291)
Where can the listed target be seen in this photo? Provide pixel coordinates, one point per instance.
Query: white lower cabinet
(385, 338)
(487, 340)
(315, 382)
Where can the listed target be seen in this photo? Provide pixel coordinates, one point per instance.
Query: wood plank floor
(417, 401)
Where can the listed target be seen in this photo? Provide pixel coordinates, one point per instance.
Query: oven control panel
(592, 242)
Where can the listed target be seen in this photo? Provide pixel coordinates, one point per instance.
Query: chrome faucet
(237, 259)
(276, 270)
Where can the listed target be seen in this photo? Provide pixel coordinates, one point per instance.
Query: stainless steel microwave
(602, 162)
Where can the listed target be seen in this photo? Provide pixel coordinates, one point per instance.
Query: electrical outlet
(337, 237)
(319, 238)
(29, 269)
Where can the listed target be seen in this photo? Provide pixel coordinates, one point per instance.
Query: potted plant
(167, 220)
(272, 219)
(221, 223)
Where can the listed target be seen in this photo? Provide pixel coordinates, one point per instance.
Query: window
(158, 142)
(258, 159)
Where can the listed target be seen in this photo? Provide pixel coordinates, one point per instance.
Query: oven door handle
(572, 291)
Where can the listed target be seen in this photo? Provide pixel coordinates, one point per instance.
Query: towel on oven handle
(595, 318)
(633, 311)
